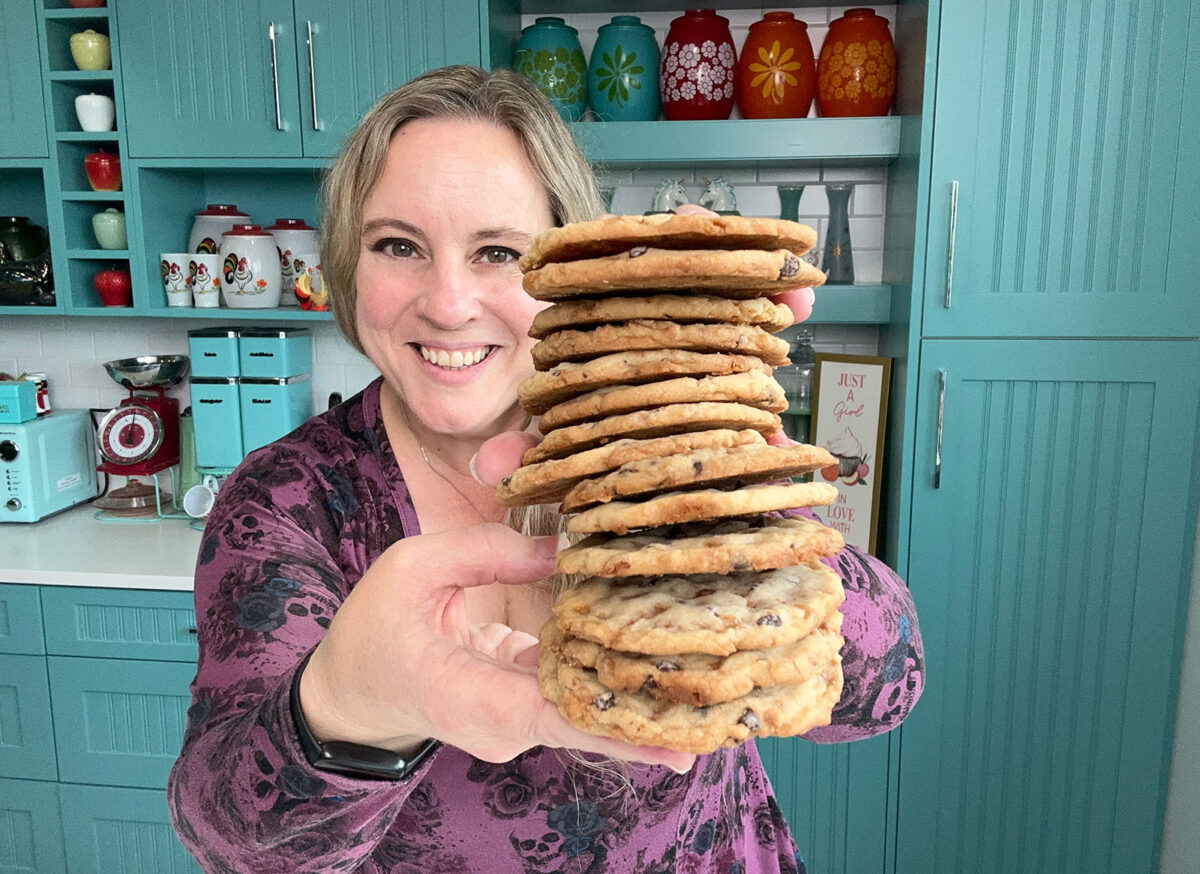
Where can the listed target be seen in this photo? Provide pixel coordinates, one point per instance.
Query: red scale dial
(130, 434)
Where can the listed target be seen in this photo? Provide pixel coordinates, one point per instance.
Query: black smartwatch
(351, 759)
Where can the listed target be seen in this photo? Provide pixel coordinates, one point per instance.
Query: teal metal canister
(623, 73)
(549, 55)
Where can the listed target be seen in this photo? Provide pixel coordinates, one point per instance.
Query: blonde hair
(503, 98)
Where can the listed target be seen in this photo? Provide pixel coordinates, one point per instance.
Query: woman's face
(441, 311)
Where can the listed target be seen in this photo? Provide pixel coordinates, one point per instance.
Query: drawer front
(118, 722)
(20, 619)
(119, 623)
(120, 831)
(30, 828)
(26, 731)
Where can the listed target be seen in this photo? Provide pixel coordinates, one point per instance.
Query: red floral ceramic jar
(776, 73)
(698, 67)
(856, 72)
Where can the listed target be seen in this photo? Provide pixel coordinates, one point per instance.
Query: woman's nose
(451, 298)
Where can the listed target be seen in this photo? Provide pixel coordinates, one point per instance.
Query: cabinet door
(1050, 569)
(22, 106)
(120, 831)
(1071, 131)
(835, 799)
(362, 50)
(30, 828)
(26, 735)
(203, 78)
(118, 722)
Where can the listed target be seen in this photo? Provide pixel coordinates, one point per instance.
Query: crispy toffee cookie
(737, 274)
(716, 614)
(699, 505)
(658, 422)
(703, 547)
(671, 307)
(652, 334)
(700, 679)
(639, 718)
(699, 468)
(613, 234)
(549, 480)
(756, 389)
(547, 388)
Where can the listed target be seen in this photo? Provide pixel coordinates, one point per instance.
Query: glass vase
(837, 260)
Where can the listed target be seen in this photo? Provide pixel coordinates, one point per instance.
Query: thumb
(476, 556)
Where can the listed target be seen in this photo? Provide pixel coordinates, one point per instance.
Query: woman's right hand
(401, 663)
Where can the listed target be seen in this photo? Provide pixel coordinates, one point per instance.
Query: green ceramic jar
(549, 55)
(623, 72)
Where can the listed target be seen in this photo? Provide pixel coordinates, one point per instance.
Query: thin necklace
(429, 462)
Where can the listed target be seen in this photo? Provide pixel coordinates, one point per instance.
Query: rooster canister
(623, 71)
(777, 74)
(293, 237)
(250, 276)
(699, 67)
(210, 223)
(856, 72)
(549, 55)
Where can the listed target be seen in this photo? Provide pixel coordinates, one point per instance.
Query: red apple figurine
(114, 287)
(103, 171)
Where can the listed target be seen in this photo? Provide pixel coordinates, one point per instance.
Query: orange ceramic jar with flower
(777, 75)
(856, 72)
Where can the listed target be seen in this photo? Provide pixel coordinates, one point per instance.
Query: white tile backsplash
(62, 348)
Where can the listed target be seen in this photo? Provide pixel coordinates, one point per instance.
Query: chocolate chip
(667, 666)
(649, 686)
(791, 266)
(605, 701)
(701, 593)
(769, 619)
(750, 720)
(697, 466)
(638, 250)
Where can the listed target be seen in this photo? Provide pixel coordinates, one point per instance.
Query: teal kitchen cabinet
(273, 78)
(94, 724)
(1049, 560)
(21, 97)
(1064, 175)
(30, 828)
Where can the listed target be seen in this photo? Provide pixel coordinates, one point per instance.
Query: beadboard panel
(120, 623)
(30, 828)
(121, 831)
(26, 732)
(1060, 124)
(1052, 585)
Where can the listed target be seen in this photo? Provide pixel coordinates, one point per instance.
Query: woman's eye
(500, 254)
(395, 247)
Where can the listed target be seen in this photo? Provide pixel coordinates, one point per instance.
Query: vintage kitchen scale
(140, 438)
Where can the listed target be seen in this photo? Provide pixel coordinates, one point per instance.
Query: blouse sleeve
(268, 580)
(882, 659)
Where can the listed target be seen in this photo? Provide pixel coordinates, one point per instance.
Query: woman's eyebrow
(390, 224)
(507, 232)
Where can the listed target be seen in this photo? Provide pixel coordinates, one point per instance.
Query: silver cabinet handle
(937, 452)
(312, 78)
(275, 75)
(950, 242)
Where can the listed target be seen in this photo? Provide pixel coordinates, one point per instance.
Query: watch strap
(351, 759)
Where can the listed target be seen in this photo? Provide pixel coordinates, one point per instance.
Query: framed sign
(849, 412)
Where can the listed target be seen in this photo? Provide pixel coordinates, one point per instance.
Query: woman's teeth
(454, 359)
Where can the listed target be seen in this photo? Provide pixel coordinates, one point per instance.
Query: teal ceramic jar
(623, 73)
(549, 55)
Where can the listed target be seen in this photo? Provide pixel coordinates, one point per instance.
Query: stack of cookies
(705, 617)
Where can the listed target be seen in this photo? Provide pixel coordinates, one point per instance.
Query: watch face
(129, 434)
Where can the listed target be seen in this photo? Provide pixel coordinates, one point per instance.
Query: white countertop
(74, 548)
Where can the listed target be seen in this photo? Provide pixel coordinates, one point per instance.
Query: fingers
(497, 554)
(502, 643)
(561, 733)
(692, 209)
(500, 455)
(798, 300)
(781, 439)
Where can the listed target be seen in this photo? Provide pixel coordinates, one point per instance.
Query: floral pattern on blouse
(293, 529)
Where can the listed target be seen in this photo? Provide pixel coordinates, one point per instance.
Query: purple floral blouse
(294, 527)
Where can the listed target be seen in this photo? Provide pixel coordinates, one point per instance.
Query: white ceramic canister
(210, 223)
(250, 276)
(96, 112)
(292, 237)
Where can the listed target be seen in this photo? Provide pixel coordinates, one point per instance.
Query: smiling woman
(367, 696)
